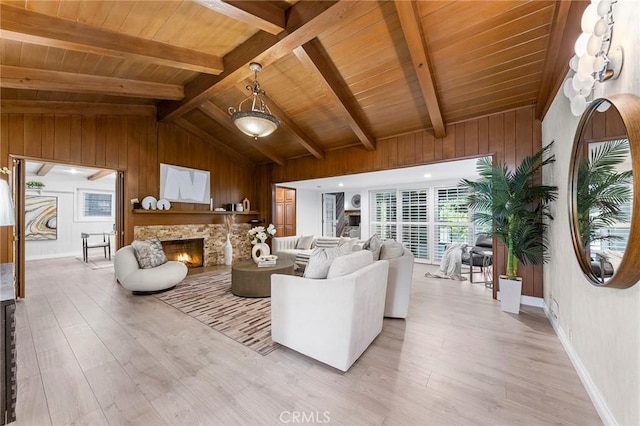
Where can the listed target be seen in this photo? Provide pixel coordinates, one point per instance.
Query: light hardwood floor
(90, 353)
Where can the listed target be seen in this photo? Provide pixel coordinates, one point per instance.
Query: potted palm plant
(516, 207)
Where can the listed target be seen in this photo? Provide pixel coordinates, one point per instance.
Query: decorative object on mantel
(238, 207)
(149, 203)
(246, 205)
(35, 184)
(163, 204)
(258, 121)
(228, 248)
(6, 203)
(135, 203)
(258, 236)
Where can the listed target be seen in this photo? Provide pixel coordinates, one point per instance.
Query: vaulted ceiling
(336, 73)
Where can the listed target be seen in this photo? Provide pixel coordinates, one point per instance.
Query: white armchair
(141, 281)
(332, 320)
(399, 285)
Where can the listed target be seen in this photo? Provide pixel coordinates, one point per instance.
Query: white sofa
(332, 320)
(139, 281)
(399, 285)
(285, 247)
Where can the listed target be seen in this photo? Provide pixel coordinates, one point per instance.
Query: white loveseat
(286, 247)
(332, 320)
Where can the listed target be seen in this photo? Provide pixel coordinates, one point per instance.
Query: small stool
(105, 244)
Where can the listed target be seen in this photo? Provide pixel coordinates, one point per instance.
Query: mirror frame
(628, 272)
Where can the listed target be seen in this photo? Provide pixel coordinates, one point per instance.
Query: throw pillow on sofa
(391, 249)
(149, 253)
(344, 265)
(304, 242)
(320, 261)
(373, 244)
(329, 242)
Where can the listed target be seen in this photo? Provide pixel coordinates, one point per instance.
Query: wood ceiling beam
(81, 108)
(58, 81)
(198, 132)
(414, 36)
(301, 136)
(306, 19)
(259, 14)
(100, 174)
(554, 58)
(313, 56)
(221, 117)
(45, 169)
(31, 27)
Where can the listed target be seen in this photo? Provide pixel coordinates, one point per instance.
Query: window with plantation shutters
(383, 214)
(414, 225)
(452, 219)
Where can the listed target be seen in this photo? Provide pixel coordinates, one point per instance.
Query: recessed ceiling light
(341, 184)
(73, 171)
(427, 175)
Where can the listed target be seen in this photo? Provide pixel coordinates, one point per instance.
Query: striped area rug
(208, 299)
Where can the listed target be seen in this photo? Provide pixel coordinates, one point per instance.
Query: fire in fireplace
(190, 251)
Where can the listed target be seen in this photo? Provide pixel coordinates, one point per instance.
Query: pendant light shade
(257, 121)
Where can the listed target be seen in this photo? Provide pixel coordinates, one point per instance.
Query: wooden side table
(249, 280)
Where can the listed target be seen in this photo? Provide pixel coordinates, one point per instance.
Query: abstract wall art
(41, 218)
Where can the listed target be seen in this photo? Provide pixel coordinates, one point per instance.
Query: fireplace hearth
(188, 251)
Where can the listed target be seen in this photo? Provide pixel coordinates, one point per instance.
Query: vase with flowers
(258, 236)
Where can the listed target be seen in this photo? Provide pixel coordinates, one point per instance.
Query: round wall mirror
(604, 174)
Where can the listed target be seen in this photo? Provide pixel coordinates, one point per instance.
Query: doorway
(285, 214)
(61, 206)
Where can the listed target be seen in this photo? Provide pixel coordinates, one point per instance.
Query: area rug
(97, 262)
(208, 299)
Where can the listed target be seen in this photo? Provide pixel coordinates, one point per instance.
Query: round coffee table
(248, 280)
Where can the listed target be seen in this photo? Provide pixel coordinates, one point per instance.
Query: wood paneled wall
(509, 137)
(133, 144)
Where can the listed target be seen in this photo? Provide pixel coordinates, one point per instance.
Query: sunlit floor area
(91, 353)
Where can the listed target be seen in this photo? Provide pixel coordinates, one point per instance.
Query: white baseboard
(538, 302)
(53, 256)
(592, 390)
(532, 301)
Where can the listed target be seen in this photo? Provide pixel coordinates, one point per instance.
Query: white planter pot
(510, 292)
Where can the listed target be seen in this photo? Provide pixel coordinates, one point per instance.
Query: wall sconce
(595, 60)
(6, 203)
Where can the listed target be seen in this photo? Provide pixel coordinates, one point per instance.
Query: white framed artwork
(184, 185)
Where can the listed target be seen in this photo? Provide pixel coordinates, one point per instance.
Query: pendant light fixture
(257, 121)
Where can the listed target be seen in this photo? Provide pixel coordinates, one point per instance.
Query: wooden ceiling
(337, 73)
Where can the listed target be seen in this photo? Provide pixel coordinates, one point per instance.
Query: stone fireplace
(188, 251)
(213, 237)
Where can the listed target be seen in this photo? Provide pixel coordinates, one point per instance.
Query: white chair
(399, 285)
(140, 281)
(332, 320)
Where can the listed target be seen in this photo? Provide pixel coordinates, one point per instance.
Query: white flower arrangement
(259, 234)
